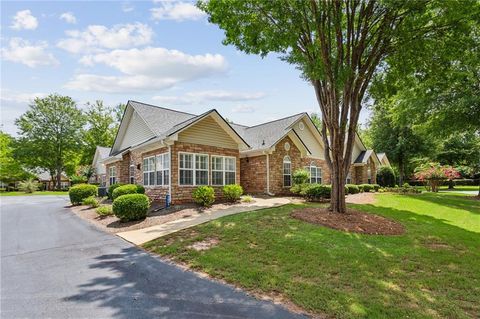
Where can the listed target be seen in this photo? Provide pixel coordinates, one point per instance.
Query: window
(163, 169)
(112, 175)
(131, 174)
(104, 180)
(149, 171)
(64, 185)
(315, 174)
(369, 175)
(287, 172)
(349, 178)
(193, 169)
(223, 170)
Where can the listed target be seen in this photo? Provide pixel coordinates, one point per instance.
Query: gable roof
(363, 157)
(103, 152)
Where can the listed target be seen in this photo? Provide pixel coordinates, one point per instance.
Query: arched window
(315, 174)
(287, 171)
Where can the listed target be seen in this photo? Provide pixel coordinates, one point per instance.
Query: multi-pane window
(315, 174)
(223, 170)
(193, 169)
(287, 172)
(163, 169)
(112, 175)
(149, 171)
(348, 180)
(131, 174)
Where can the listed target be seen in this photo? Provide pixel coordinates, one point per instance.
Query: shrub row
(205, 195)
(320, 191)
(131, 207)
(80, 192)
(127, 189)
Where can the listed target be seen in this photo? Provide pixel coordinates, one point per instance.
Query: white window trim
(164, 169)
(130, 174)
(143, 171)
(155, 185)
(224, 170)
(283, 171)
(194, 169)
(317, 169)
(110, 175)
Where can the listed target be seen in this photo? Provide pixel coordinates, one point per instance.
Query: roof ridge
(196, 116)
(283, 118)
(161, 107)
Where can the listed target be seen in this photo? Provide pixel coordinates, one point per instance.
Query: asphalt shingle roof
(363, 157)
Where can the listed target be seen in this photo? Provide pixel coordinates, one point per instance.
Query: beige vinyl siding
(137, 131)
(309, 139)
(207, 132)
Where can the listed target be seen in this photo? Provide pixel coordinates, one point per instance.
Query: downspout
(170, 175)
(268, 176)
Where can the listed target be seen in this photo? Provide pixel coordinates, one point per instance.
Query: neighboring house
(44, 178)
(100, 172)
(172, 152)
(382, 157)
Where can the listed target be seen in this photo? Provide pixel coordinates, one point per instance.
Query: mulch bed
(353, 221)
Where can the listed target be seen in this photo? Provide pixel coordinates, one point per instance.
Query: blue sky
(159, 52)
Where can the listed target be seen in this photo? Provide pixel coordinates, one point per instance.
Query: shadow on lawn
(138, 285)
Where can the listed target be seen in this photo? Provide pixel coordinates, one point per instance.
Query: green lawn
(32, 194)
(430, 271)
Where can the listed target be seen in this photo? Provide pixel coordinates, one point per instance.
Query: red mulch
(353, 221)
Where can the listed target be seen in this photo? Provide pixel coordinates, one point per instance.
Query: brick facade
(253, 177)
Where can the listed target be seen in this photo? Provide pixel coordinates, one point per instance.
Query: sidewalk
(144, 235)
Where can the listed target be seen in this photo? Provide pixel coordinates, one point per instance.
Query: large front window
(193, 169)
(315, 174)
(287, 172)
(112, 175)
(156, 170)
(149, 171)
(223, 170)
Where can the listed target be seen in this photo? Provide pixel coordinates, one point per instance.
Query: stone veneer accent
(180, 194)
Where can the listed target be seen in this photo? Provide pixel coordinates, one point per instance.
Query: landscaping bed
(352, 221)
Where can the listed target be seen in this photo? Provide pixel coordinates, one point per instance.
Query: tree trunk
(59, 178)
(337, 200)
(401, 171)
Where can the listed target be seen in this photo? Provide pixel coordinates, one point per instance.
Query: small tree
(28, 186)
(433, 174)
(386, 176)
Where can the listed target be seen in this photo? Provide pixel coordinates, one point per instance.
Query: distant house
(45, 179)
(173, 152)
(383, 159)
(99, 175)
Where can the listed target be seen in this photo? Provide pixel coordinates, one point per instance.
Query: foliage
(127, 189)
(50, 135)
(131, 207)
(28, 186)
(247, 199)
(300, 189)
(317, 120)
(78, 179)
(232, 192)
(318, 191)
(386, 176)
(100, 129)
(405, 189)
(204, 195)
(353, 189)
(91, 201)
(367, 187)
(112, 188)
(434, 174)
(300, 176)
(10, 169)
(376, 187)
(79, 192)
(105, 210)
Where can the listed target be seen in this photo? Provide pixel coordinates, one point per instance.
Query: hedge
(131, 207)
(318, 191)
(112, 187)
(80, 192)
(367, 187)
(353, 189)
(232, 192)
(127, 189)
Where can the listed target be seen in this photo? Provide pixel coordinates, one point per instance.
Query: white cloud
(127, 7)
(8, 95)
(197, 97)
(68, 17)
(244, 109)
(97, 38)
(22, 51)
(24, 20)
(147, 69)
(176, 10)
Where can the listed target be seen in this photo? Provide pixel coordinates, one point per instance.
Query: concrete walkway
(144, 235)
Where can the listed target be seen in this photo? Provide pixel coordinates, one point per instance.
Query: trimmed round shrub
(386, 176)
(353, 189)
(91, 201)
(104, 210)
(367, 188)
(232, 192)
(127, 189)
(79, 192)
(131, 207)
(204, 195)
(318, 191)
(300, 176)
(111, 188)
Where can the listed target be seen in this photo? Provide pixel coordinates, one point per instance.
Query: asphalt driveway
(55, 265)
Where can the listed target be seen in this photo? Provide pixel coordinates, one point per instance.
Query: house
(383, 159)
(100, 173)
(48, 184)
(173, 152)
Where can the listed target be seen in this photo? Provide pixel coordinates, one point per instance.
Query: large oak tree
(338, 46)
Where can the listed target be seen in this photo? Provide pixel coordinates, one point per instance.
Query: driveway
(55, 265)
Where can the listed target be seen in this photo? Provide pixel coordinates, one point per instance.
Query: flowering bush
(434, 174)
